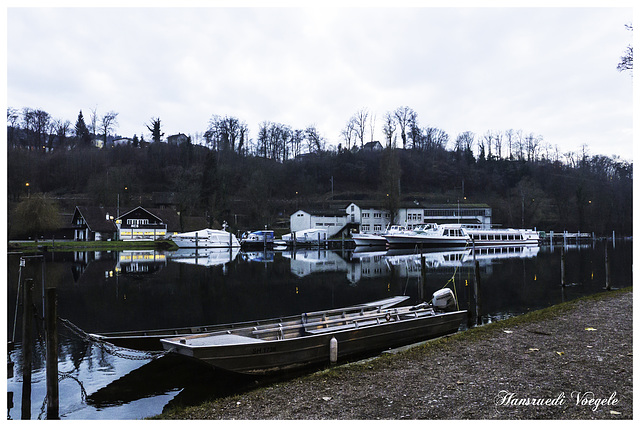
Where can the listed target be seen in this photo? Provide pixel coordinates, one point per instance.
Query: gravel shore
(572, 361)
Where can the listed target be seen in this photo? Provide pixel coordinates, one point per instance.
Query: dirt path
(569, 362)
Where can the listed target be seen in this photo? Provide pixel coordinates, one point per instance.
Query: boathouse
(103, 223)
(147, 224)
(93, 223)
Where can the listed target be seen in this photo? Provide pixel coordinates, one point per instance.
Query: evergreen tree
(83, 137)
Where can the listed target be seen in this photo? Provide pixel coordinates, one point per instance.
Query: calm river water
(118, 291)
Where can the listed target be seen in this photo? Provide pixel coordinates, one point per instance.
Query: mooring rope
(112, 349)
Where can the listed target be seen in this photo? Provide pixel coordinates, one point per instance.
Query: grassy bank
(70, 245)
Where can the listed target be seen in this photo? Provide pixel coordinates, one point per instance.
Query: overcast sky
(547, 71)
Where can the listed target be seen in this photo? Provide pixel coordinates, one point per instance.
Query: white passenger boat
(503, 236)
(462, 235)
(431, 234)
(320, 337)
(205, 238)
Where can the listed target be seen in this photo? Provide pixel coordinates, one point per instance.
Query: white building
(333, 221)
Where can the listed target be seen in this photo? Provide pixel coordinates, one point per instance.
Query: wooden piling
(423, 274)
(562, 267)
(51, 330)
(606, 266)
(476, 283)
(27, 348)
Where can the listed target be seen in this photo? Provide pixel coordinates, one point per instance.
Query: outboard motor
(444, 300)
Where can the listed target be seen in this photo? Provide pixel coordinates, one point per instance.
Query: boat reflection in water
(380, 262)
(207, 257)
(308, 261)
(140, 262)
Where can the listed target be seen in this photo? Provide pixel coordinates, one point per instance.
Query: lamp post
(28, 189)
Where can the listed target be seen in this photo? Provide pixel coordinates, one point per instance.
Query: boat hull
(258, 357)
(369, 240)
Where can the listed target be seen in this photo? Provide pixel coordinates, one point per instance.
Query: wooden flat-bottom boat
(320, 337)
(149, 340)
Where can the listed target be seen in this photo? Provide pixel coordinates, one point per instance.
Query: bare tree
(485, 145)
(348, 132)
(626, 61)
(532, 144)
(435, 138)
(389, 128)
(519, 145)
(372, 126)
(297, 137)
(464, 141)
(13, 117)
(497, 144)
(314, 140)
(60, 128)
(155, 129)
(509, 135)
(404, 116)
(360, 124)
(108, 124)
(93, 121)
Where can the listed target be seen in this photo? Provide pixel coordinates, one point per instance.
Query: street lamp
(28, 189)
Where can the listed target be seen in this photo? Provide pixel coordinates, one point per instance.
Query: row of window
(500, 237)
(376, 215)
(142, 233)
(365, 228)
(456, 212)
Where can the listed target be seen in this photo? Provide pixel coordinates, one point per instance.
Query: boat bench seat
(220, 339)
(335, 328)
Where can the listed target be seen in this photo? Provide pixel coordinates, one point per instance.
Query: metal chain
(112, 349)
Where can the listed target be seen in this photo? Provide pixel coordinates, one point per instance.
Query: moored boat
(258, 238)
(376, 239)
(149, 339)
(431, 234)
(503, 236)
(205, 238)
(315, 338)
(310, 236)
(368, 239)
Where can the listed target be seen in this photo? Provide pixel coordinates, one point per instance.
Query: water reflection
(119, 291)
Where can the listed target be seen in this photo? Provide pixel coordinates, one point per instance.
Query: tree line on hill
(224, 180)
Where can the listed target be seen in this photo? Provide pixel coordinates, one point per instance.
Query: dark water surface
(118, 291)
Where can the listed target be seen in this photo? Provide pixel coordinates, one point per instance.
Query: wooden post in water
(613, 238)
(51, 330)
(606, 266)
(562, 267)
(476, 266)
(27, 348)
(423, 274)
